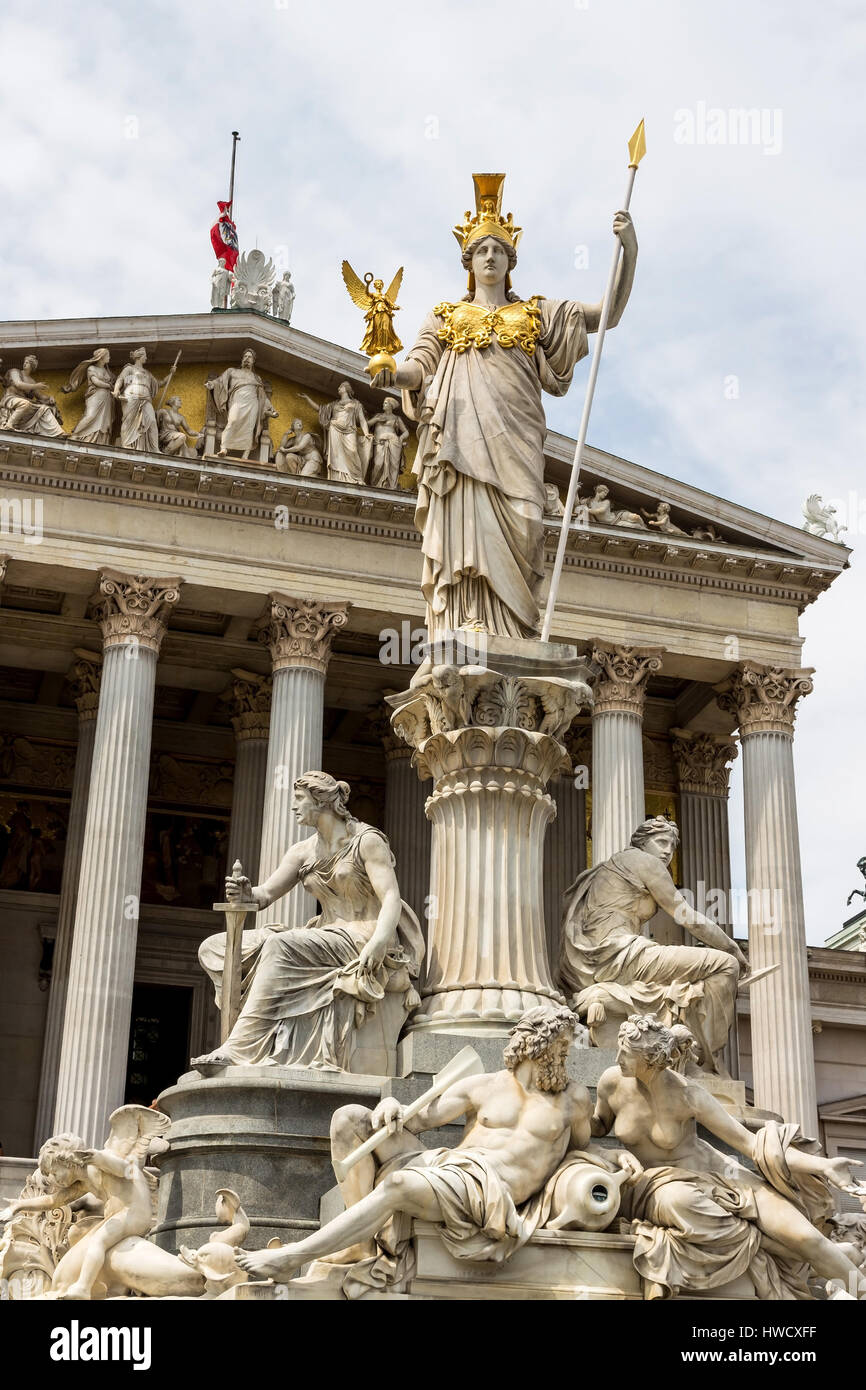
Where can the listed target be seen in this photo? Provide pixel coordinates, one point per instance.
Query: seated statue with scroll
(307, 991)
(521, 1165)
(615, 971)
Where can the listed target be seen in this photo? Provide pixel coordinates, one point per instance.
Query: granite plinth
(262, 1131)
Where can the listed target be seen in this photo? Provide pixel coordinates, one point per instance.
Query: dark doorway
(158, 1040)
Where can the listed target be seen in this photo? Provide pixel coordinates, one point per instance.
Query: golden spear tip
(637, 147)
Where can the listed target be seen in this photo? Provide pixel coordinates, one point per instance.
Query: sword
(756, 975)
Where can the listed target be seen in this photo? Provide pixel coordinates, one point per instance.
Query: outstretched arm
(665, 892)
(61, 1198)
(624, 229)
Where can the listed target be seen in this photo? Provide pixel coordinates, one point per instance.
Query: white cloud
(749, 262)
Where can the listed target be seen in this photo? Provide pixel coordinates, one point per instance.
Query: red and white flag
(224, 236)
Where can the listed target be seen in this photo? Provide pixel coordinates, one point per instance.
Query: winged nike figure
(379, 307)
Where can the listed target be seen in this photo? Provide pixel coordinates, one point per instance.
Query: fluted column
(491, 742)
(565, 845)
(84, 679)
(251, 717)
(133, 610)
(618, 803)
(299, 634)
(406, 825)
(703, 772)
(764, 701)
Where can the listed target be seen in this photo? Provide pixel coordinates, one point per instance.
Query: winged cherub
(379, 305)
(116, 1176)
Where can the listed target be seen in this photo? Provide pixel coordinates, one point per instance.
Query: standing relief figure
(136, 388)
(348, 440)
(240, 393)
(473, 381)
(96, 425)
(389, 445)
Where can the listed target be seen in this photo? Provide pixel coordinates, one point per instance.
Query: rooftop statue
(473, 381)
(858, 892)
(220, 284)
(615, 970)
(28, 405)
(253, 273)
(283, 299)
(820, 518)
(96, 425)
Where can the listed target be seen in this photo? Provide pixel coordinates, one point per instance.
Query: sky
(739, 365)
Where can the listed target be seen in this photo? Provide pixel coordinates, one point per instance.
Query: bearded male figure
(473, 382)
(520, 1124)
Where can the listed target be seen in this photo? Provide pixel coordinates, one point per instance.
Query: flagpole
(636, 150)
(235, 139)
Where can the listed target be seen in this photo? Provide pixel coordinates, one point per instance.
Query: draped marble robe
(480, 468)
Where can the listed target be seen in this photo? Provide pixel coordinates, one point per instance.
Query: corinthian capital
(249, 697)
(623, 674)
(703, 762)
(764, 698)
(299, 631)
(84, 678)
(133, 608)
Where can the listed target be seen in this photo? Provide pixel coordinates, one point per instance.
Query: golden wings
(359, 290)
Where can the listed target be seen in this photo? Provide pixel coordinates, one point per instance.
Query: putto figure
(473, 381)
(521, 1123)
(615, 970)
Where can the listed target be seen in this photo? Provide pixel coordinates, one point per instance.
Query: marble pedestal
(262, 1131)
(485, 722)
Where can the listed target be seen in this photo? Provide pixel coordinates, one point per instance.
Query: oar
(466, 1063)
(755, 975)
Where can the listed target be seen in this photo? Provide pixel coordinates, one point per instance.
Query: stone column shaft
(703, 771)
(618, 800)
(93, 1056)
(299, 635)
(251, 700)
(489, 738)
(565, 846)
(407, 827)
(764, 700)
(85, 679)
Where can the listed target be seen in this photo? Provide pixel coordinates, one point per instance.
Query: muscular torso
(525, 1134)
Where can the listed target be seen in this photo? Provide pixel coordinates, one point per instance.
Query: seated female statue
(701, 1218)
(307, 989)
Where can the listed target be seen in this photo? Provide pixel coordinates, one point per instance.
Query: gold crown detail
(488, 219)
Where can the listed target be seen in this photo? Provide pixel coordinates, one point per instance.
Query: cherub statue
(116, 1176)
(819, 518)
(660, 519)
(380, 341)
(858, 892)
(561, 701)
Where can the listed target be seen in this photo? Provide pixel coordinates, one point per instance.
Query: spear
(636, 152)
(168, 381)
